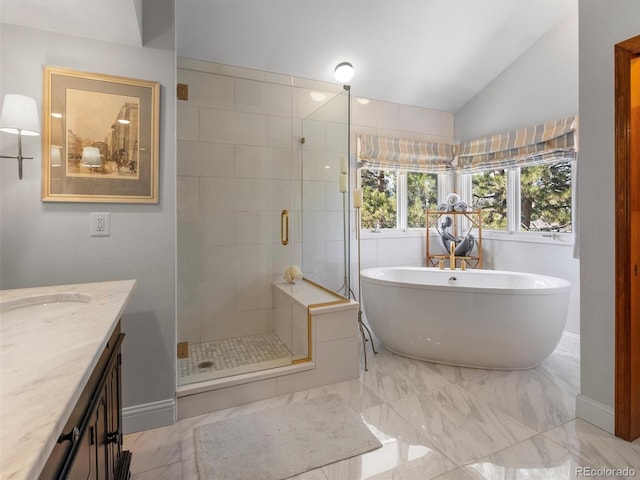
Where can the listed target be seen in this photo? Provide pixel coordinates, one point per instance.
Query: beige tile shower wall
(234, 178)
(404, 121)
(238, 150)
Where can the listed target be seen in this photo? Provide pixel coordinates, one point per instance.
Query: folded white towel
(452, 199)
(461, 206)
(443, 207)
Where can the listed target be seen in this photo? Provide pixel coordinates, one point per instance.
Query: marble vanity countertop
(51, 339)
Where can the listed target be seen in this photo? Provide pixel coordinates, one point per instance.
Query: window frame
(402, 207)
(514, 192)
(463, 184)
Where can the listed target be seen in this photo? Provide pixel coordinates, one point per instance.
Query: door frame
(627, 328)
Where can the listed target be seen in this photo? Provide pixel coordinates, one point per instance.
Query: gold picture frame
(100, 138)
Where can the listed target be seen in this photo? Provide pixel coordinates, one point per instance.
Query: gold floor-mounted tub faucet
(452, 256)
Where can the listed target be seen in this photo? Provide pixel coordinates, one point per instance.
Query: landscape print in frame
(100, 141)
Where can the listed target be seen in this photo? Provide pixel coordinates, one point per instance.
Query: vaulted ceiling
(430, 53)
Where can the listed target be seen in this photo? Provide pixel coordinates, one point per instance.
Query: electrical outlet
(100, 225)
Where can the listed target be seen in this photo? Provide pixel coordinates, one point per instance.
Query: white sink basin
(45, 301)
(47, 306)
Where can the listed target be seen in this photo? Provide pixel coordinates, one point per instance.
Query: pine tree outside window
(489, 191)
(525, 199)
(422, 191)
(545, 198)
(384, 195)
(379, 199)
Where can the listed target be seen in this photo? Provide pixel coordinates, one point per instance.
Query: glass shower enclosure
(325, 195)
(258, 191)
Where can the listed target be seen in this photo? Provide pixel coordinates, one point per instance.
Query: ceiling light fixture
(343, 72)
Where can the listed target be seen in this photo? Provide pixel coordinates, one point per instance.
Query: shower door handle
(284, 227)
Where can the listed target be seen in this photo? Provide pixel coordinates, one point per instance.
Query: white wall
(393, 248)
(544, 257)
(49, 243)
(602, 25)
(541, 85)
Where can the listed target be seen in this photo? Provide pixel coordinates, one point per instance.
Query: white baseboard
(148, 415)
(590, 410)
(595, 413)
(570, 341)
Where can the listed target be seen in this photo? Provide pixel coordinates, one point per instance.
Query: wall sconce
(20, 117)
(343, 72)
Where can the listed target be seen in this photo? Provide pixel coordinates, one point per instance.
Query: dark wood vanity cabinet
(90, 445)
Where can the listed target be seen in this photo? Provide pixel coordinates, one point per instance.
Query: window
(489, 191)
(545, 198)
(521, 179)
(535, 198)
(396, 200)
(422, 190)
(379, 198)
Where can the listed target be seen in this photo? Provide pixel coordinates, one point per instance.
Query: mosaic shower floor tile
(232, 356)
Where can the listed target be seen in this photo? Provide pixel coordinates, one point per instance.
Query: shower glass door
(236, 222)
(325, 194)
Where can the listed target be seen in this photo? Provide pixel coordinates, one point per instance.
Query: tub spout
(452, 256)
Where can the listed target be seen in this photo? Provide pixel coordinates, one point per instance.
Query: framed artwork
(100, 140)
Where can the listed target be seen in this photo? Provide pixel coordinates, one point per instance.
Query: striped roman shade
(550, 142)
(403, 154)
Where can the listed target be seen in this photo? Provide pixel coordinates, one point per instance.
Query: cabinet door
(114, 417)
(101, 446)
(83, 464)
(90, 462)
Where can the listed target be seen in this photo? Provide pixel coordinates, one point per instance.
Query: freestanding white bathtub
(473, 318)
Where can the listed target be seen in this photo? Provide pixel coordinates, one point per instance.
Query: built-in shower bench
(329, 354)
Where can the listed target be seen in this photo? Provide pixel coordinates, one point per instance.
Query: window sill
(562, 239)
(565, 239)
(367, 234)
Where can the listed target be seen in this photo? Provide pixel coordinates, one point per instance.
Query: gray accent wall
(602, 25)
(48, 243)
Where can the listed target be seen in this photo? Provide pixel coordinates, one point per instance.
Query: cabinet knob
(113, 437)
(73, 436)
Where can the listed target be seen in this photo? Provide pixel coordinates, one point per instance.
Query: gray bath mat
(282, 442)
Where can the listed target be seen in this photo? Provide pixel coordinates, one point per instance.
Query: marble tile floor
(436, 422)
